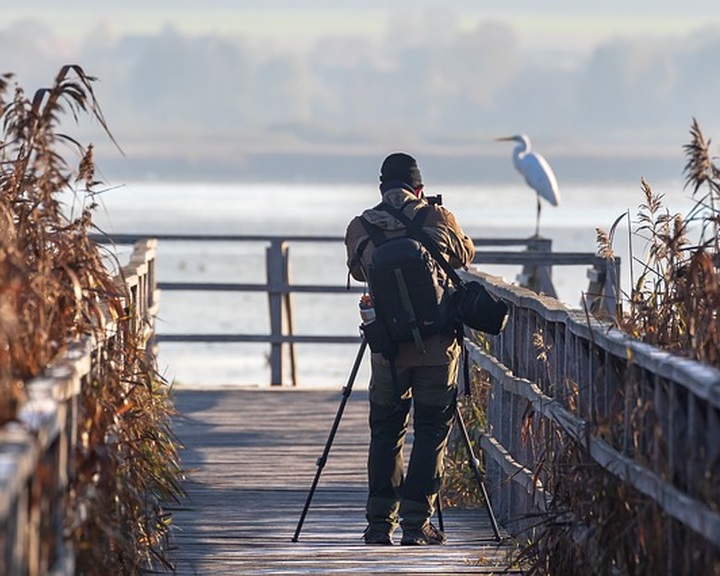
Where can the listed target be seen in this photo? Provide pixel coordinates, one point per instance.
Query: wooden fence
(36, 452)
(533, 257)
(557, 364)
(649, 418)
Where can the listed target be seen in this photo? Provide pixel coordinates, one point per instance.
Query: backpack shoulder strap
(414, 228)
(375, 235)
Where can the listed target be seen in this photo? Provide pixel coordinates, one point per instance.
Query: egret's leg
(537, 218)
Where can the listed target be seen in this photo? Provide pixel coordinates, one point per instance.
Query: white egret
(537, 172)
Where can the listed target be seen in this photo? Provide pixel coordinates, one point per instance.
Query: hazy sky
(616, 76)
(550, 23)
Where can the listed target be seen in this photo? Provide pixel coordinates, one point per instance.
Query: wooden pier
(251, 455)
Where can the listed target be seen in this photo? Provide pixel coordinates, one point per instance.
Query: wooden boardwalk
(251, 457)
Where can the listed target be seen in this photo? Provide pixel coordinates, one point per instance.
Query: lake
(323, 209)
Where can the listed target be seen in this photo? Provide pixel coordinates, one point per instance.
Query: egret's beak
(504, 139)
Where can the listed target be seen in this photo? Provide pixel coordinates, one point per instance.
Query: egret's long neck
(518, 153)
(522, 148)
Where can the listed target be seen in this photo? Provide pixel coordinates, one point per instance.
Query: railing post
(603, 292)
(538, 278)
(612, 287)
(288, 305)
(275, 262)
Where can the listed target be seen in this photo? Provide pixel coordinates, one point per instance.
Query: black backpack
(410, 301)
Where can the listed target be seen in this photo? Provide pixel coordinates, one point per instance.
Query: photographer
(420, 372)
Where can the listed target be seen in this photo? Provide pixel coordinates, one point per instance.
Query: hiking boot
(375, 537)
(426, 536)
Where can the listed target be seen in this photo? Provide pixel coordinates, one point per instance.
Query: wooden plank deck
(251, 457)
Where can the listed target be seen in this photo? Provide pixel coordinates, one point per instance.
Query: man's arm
(457, 245)
(354, 236)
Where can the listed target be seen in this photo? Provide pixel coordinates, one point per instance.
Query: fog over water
(322, 210)
(264, 117)
(265, 90)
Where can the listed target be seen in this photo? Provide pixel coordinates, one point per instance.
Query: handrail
(36, 452)
(535, 243)
(536, 257)
(576, 372)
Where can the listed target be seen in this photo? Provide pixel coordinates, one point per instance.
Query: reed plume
(55, 288)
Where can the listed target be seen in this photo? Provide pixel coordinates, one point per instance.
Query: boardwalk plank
(250, 456)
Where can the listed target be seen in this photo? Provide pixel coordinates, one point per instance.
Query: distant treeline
(448, 89)
(438, 169)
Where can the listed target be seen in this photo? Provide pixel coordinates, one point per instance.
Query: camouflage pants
(395, 497)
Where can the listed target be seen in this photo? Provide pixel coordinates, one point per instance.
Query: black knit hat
(402, 167)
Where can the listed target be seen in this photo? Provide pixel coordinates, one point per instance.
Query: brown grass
(54, 287)
(675, 294)
(460, 487)
(597, 524)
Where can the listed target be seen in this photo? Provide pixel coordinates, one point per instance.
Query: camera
(434, 200)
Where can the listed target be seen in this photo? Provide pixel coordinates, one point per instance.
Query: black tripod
(475, 465)
(323, 459)
(473, 460)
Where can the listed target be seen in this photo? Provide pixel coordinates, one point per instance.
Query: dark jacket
(440, 224)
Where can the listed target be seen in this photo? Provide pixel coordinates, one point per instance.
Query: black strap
(466, 368)
(374, 234)
(415, 230)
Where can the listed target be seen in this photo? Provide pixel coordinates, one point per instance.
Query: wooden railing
(649, 418)
(536, 260)
(36, 452)
(558, 364)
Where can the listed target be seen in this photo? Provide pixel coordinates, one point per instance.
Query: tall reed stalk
(54, 288)
(597, 524)
(675, 296)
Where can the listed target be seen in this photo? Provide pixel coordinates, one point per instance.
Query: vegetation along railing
(648, 418)
(553, 376)
(36, 461)
(536, 260)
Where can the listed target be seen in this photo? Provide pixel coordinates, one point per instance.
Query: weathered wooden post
(288, 305)
(538, 278)
(280, 302)
(603, 291)
(275, 280)
(613, 291)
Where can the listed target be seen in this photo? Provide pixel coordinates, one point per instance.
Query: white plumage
(537, 173)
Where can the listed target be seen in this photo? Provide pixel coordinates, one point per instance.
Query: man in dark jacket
(424, 376)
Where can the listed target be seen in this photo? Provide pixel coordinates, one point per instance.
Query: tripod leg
(323, 459)
(475, 465)
(438, 507)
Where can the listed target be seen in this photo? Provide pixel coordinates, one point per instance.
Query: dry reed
(597, 524)
(460, 488)
(54, 288)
